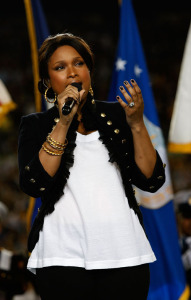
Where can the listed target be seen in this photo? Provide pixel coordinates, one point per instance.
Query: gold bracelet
(58, 143)
(51, 152)
(53, 145)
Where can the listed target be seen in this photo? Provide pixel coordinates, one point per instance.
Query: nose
(71, 72)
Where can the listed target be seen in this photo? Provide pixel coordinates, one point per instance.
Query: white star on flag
(120, 64)
(137, 70)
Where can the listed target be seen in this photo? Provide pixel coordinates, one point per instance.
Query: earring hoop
(91, 91)
(49, 100)
(43, 82)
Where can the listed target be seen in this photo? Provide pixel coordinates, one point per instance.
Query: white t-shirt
(92, 225)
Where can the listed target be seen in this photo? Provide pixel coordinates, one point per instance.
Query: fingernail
(125, 82)
(121, 88)
(132, 80)
(117, 97)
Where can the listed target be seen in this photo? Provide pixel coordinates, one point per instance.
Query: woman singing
(82, 157)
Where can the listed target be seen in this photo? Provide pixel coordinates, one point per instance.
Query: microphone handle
(69, 104)
(67, 107)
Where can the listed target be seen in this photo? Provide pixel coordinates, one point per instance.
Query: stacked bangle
(58, 148)
(54, 153)
(49, 138)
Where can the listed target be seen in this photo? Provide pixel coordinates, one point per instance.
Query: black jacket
(106, 117)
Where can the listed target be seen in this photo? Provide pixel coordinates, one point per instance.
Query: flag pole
(37, 95)
(34, 52)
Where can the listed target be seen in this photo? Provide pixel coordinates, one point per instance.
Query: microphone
(69, 104)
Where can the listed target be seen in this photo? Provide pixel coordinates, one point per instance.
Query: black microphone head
(66, 109)
(78, 85)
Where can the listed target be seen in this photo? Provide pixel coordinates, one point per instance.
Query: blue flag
(167, 280)
(41, 32)
(41, 28)
(38, 31)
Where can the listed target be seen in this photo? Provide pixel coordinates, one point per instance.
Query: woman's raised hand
(134, 106)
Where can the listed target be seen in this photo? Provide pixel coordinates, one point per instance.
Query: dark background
(163, 28)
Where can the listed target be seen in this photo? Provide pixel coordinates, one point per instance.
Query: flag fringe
(6, 107)
(29, 213)
(179, 148)
(186, 294)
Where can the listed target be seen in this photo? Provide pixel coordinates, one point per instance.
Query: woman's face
(66, 66)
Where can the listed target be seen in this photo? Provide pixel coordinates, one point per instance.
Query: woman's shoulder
(108, 104)
(39, 121)
(52, 112)
(112, 109)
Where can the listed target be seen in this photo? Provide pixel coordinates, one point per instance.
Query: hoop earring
(49, 100)
(91, 91)
(43, 82)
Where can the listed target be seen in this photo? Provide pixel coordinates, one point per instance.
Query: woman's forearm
(145, 154)
(50, 162)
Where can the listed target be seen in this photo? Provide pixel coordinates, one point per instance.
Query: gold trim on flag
(179, 148)
(186, 294)
(29, 213)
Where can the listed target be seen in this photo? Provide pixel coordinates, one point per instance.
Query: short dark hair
(53, 42)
